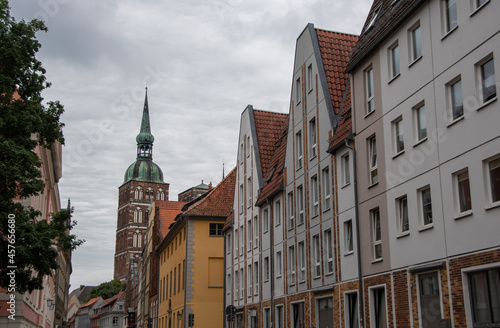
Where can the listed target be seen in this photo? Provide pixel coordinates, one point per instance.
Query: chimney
(210, 186)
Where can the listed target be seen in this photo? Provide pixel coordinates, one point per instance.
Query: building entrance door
(430, 300)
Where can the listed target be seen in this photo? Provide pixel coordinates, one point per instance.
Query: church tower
(142, 183)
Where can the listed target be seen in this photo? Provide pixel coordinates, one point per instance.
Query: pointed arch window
(160, 194)
(138, 193)
(138, 215)
(149, 194)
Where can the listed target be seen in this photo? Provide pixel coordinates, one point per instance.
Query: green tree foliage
(25, 123)
(106, 290)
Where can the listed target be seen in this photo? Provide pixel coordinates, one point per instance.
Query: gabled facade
(425, 116)
(86, 311)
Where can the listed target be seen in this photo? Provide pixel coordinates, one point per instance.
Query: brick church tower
(143, 182)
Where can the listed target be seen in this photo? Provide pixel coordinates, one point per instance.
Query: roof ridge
(336, 32)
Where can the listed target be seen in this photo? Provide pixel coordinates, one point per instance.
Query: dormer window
(374, 18)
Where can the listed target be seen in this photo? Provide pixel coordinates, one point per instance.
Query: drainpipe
(361, 296)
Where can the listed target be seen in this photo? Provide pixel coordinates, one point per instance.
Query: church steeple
(145, 139)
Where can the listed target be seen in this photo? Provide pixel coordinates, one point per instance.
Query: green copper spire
(145, 139)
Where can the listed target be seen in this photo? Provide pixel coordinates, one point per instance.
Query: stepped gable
(273, 181)
(335, 49)
(268, 127)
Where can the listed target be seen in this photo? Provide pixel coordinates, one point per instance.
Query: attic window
(270, 175)
(374, 18)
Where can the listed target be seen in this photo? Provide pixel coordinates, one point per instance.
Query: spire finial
(145, 139)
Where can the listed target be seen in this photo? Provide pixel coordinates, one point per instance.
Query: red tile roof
(168, 211)
(342, 131)
(335, 50)
(274, 178)
(388, 19)
(218, 201)
(229, 221)
(268, 127)
(92, 301)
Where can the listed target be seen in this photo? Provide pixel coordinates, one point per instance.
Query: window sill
(486, 103)
(299, 224)
(278, 277)
(344, 186)
(369, 113)
(349, 253)
(313, 157)
(448, 33)
(327, 209)
(419, 142)
(265, 231)
(373, 185)
(427, 227)
(329, 274)
(398, 154)
(463, 215)
(403, 234)
(310, 90)
(377, 260)
(492, 206)
(317, 277)
(393, 78)
(479, 8)
(456, 121)
(416, 60)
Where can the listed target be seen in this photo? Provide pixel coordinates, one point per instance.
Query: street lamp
(179, 316)
(50, 304)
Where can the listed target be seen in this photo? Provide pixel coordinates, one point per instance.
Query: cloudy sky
(202, 61)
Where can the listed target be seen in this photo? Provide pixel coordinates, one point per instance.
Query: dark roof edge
(253, 130)
(394, 26)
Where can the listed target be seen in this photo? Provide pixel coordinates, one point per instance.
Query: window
(370, 95)
(378, 313)
(300, 204)
(179, 281)
(265, 220)
(236, 243)
(279, 262)
(236, 284)
(351, 312)
(463, 191)
(479, 3)
(316, 258)
(249, 235)
(374, 18)
(242, 153)
(314, 196)
(425, 195)
(216, 229)
(248, 146)
(266, 268)
(346, 170)
(416, 43)
(249, 280)
(115, 321)
(267, 318)
(329, 251)
(242, 241)
(399, 142)
(456, 100)
(277, 212)
(160, 194)
(291, 220)
(241, 283)
(298, 149)
(327, 190)
(242, 199)
(291, 264)
(138, 215)
(372, 158)
(312, 137)
(494, 179)
(376, 234)
(229, 243)
(149, 194)
(298, 315)
(256, 231)
(310, 77)
(394, 61)
(403, 221)
(421, 122)
(485, 297)
(449, 9)
(256, 277)
(348, 237)
(488, 83)
(175, 280)
(249, 192)
(298, 91)
(279, 316)
(138, 193)
(302, 261)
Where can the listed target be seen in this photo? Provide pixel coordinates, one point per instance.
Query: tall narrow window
(376, 234)
(352, 317)
(256, 231)
(266, 268)
(300, 205)
(242, 199)
(302, 261)
(279, 316)
(370, 95)
(236, 243)
(372, 157)
(327, 190)
(421, 123)
(256, 277)
(242, 240)
(416, 43)
(494, 179)
(316, 258)
(310, 77)
(464, 200)
(346, 170)
(267, 318)
(298, 149)
(403, 221)
(394, 60)
(399, 142)
(249, 235)
(312, 138)
(426, 199)
(298, 91)
(348, 237)
(485, 297)
(291, 264)
(314, 196)
(277, 212)
(279, 264)
(449, 15)
(249, 192)
(265, 220)
(329, 251)
(249, 280)
(456, 100)
(488, 83)
(290, 210)
(242, 282)
(378, 308)
(236, 284)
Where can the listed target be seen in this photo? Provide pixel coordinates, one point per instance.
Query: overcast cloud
(202, 61)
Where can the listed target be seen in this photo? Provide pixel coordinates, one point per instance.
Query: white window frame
(242, 199)
(316, 256)
(298, 91)
(279, 316)
(229, 243)
(266, 269)
(301, 257)
(314, 196)
(299, 150)
(372, 305)
(300, 205)
(370, 90)
(266, 318)
(242, 240)
(347, 306)
(236, 243)
(394, 61)
(460, 193)
(313, 140)
(256, 231)
(249, 192)
(327, 190)
(448, 25)
(277, 212)
(329, 251)
(236, 285)
(476, 5)
(403, 215)
(279, 264)
(265, 220)
(291, 265)
(372, 160)
(483, 83)
(420, 119)
(249, 281)
(489, 164)
(256, 278)
(348, 237)
(376, 241)
(415, 42)
(422, 204)
(310, 77)
(249, 235)
(346, 169)
(398, 136)
(242, 279)
(455, 99)
(290, 211)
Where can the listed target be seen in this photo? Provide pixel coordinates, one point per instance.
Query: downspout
(358, 240)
